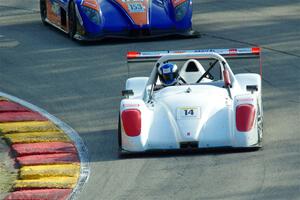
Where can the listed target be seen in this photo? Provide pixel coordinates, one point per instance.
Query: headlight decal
(93, 15)
(93, 4)
(91, 9)
(181, 10)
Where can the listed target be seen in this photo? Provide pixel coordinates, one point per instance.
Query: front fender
(136, 143)
(245, 138)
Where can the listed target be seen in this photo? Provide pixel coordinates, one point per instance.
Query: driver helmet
(168, 74)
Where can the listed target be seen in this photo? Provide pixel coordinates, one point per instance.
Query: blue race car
(96, 19)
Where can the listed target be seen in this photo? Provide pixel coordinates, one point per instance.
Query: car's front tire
(260, 126)
(43, 11)
(72, 20)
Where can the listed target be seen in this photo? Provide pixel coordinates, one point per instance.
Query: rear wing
(232, 53)
(235, 53)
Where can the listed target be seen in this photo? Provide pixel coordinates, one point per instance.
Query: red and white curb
(76, 140)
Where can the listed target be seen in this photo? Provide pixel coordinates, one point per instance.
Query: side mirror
(127, 93)
(227, 80)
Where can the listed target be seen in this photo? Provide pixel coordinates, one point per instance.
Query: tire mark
(251, 44)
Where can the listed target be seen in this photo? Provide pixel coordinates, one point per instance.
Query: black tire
(43, 11)
(260, 126)
(119, 135)
(120, 151)
(72, 20)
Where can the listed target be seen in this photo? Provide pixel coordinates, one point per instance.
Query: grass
(8, 173)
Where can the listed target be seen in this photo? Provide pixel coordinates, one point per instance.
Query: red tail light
(132, 122)
(133, 54)
(245, 115)
(256, 50)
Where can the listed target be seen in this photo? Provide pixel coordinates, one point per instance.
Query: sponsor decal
(246, 99)
(136, 9)
(166, 71)
(130, 105)
(154, 53)
(232, 51)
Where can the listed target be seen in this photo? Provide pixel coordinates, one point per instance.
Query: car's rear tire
(43, 11)
(72, 20)
(120, 152)
(119, 134)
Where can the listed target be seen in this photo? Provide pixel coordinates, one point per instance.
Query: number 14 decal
(189, 112)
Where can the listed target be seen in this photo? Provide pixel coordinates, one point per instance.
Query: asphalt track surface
(81, 84)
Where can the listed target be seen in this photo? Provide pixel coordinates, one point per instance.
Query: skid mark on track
(251, 44)
(8, 42)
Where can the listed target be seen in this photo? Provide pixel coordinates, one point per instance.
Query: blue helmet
(168, 74)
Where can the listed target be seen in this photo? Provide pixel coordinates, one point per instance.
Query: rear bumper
(191, 147)
(184, 151)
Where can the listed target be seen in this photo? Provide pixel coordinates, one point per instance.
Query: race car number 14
(188, 112)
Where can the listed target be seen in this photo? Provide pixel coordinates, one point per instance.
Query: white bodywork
(166, 123)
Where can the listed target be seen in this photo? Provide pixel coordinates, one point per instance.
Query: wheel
(121, 154)
(119, 134)
(72, 20)
(260, 126)
(43, 11)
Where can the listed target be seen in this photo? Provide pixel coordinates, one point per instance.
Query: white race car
(209, 107)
